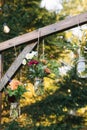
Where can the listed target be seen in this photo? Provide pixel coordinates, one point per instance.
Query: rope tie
(43, 50)
(38, 43)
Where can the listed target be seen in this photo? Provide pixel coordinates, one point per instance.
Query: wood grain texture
(15, 65)
(45, 31)
(1, 71)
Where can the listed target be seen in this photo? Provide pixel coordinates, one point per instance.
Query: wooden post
(2, 2)
(1, 70)
(45, 31)
(15, 65)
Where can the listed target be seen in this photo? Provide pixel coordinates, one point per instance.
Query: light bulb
(82, 67)
(72, 112)
(6, 29)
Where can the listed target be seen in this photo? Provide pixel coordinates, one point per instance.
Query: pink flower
(13, 85)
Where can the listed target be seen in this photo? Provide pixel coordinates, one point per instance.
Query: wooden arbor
(32, 38)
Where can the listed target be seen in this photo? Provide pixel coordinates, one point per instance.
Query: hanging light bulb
(72, 112)
(0, 9)
(6, 29)
(82, 67)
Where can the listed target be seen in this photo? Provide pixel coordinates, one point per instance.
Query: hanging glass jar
(82, 67)
(38, 86)
(14, 110)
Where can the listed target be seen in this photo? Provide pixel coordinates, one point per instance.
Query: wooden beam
(15, 65)
(0, 106)
(44, 31)
(1, 71)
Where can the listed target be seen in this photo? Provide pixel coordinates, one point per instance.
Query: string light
(6, 29)
(81, 63)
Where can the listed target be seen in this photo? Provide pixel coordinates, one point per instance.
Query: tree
(21, 17)
(25, 16)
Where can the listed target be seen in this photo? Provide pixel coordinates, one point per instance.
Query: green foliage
(17, 93)
(55, 107)
(36, 71)
(41, 70)
(77, 87)
(54, 67)
(14, 125)
(23, 16)
(21, 19)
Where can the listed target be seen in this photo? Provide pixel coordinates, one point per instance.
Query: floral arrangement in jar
(15, 90)
(37, 68)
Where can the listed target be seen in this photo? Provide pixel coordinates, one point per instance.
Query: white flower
(44, 67)
(24, 62)
(34, 53)
(29, 56)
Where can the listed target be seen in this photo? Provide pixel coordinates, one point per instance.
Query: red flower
(33, 62)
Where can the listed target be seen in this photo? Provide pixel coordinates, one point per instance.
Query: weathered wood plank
(1, 66)
(15, 65)
(44, 31)
(1, 71)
